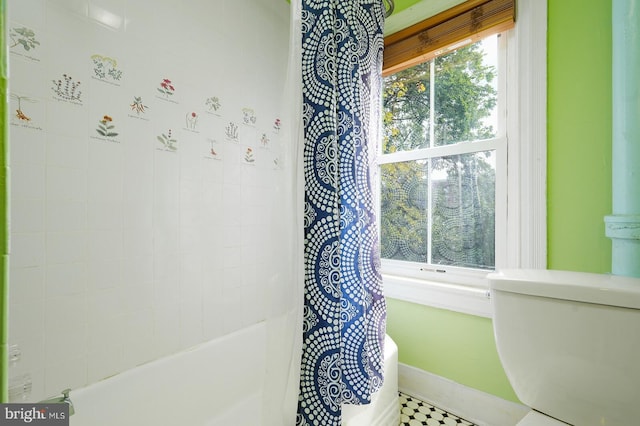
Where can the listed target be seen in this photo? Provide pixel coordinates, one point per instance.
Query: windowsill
(454, 297)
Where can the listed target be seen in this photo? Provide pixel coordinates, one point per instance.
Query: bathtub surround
(140, 229)
(179, 390)
(344, 313)
(623, 227)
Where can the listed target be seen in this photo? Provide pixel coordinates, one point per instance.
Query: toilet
(569, 343)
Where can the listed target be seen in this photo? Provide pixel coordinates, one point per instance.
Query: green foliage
(404, 220)
(463, 97)
(462, 186)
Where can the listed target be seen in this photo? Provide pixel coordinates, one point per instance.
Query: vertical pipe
(4, 222)
(623, 226)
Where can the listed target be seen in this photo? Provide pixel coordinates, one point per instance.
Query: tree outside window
(435, 208)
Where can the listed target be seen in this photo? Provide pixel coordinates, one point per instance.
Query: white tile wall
(121, 251)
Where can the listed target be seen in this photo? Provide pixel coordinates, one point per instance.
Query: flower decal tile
(167, 141)
(23, 37)
(249, 156)
(191, 121)
(105, 130)
(19, 114)
(106, 127)
(166, 88)
(138, 106)
(26, 112)
(213, 105)
(67, 89)
(249, 116)
(264, 141)
(24, 42)
(214, 150)
(105, 69)
(231, 132)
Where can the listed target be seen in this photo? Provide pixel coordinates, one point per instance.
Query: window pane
(458, 220)
(466, 93)
(406, 110)
(463, 220)
(404, 211)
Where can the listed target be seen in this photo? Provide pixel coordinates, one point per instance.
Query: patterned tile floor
(414, 412)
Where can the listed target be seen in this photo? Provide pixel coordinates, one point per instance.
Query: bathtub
(384, 409)
(228, 381)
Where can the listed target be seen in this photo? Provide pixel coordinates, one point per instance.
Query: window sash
(526, 245)
(499, 144)
(444, 150)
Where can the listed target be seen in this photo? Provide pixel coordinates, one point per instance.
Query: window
(439, 160)
(443, 162)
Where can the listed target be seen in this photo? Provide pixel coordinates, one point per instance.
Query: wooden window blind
(463, 24)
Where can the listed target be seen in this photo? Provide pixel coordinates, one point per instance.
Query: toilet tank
(570, 343)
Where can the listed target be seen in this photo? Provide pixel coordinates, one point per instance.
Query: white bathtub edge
(190, 387)
(384, 408)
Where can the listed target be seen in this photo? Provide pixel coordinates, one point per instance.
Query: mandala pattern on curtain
(344, 313)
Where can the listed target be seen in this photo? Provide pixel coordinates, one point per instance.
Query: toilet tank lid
(586, 287)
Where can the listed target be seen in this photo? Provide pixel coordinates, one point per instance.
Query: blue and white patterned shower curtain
(344, 312)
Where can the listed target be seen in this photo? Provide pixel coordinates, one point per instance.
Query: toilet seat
(535, 418)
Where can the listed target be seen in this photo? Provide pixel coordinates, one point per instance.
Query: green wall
(457, 346)
(4, 238)
(401, 5)
(461, 347)
(579, 134)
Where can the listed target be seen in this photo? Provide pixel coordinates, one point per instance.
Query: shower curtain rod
(389, 10)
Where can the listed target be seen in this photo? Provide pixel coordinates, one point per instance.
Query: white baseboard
(471, 404)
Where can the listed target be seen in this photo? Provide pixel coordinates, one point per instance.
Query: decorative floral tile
(67, 89)
(26, 112)
(139, 108)
(167, 141)
(249, 156)
(106, 128)
(166, 90)
(24, 42)
(231, 132)
(214, 150)
(276, 163)
(191, 120)
(265, 141)
(106, 70)
(249, 117)
(277, 125)
(213, 106)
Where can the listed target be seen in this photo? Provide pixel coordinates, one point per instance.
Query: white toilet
(570, 345)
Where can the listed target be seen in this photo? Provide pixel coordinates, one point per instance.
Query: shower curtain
(344, 309)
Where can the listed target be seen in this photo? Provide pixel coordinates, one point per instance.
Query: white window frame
(498, 144)
(522, 239)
